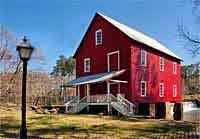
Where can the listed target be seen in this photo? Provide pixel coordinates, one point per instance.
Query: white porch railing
(98, 98)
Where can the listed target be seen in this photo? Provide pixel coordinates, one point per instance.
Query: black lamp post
(25, 50)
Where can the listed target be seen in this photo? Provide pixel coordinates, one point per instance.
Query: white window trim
(85, 69)
(162, 95)
(174, 91)
(108, 59)
(162, 64)
(100, 30)
(145, 93)
(174, 67)
(145, 58)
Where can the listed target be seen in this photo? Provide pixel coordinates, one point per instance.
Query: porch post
(108, 96)
(88, 95)
(78, 92)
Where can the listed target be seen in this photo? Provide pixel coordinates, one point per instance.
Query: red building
(124, 70)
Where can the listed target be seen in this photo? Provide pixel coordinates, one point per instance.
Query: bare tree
(8, 55)
(191, 42)
(191, 39)
(8, 58)
(11, 63)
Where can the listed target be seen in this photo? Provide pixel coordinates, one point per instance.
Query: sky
(57, 26)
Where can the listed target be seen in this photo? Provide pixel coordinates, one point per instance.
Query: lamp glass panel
(25, 53)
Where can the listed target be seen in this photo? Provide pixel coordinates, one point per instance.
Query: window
(87, 65)
(143, 57)
(98, 37)
(143, 88)
(174, 91)
(162, 64)
(174, 67)
(161, 93)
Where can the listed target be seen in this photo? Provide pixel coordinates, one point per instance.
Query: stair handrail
(68, 98)
(76, 105)
(112, 97)
(122, 101)
(115, 99)
(74, 100)
(85, 98)
(127, 102)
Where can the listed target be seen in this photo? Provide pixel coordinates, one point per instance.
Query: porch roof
(94, 78)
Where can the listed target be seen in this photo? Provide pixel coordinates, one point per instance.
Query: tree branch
(192, 43)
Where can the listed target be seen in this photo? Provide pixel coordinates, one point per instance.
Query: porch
(85, 97)
(119, 103)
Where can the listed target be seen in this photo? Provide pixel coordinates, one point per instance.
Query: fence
(41, 100)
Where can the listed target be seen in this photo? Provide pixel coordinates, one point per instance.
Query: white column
(108, 89)
(88, 92)
(108, 96)
(88, 95)
(78, 92)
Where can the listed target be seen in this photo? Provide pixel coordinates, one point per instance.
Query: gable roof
(140, 37)
(133, 34)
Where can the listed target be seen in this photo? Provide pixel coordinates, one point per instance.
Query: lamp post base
(23, 133)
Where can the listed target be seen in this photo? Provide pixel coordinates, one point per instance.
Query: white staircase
(122, 105)
(76, 105)
(119, 103)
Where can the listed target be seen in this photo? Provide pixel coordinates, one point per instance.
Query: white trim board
(84, 64)
(108, 59)
(97, 31)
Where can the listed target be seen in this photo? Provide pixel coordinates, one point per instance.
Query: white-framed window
(143, 88)
(174, 91)
(162, 64)
(174, 67)
(86, 64)
(98, 37)
(161, 90)
(143, 57)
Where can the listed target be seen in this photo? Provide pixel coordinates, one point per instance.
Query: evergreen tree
(64, 66)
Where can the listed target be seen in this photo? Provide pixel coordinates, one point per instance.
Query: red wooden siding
(153, 76)
(115, 40)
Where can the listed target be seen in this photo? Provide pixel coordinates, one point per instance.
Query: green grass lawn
(81, 126)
